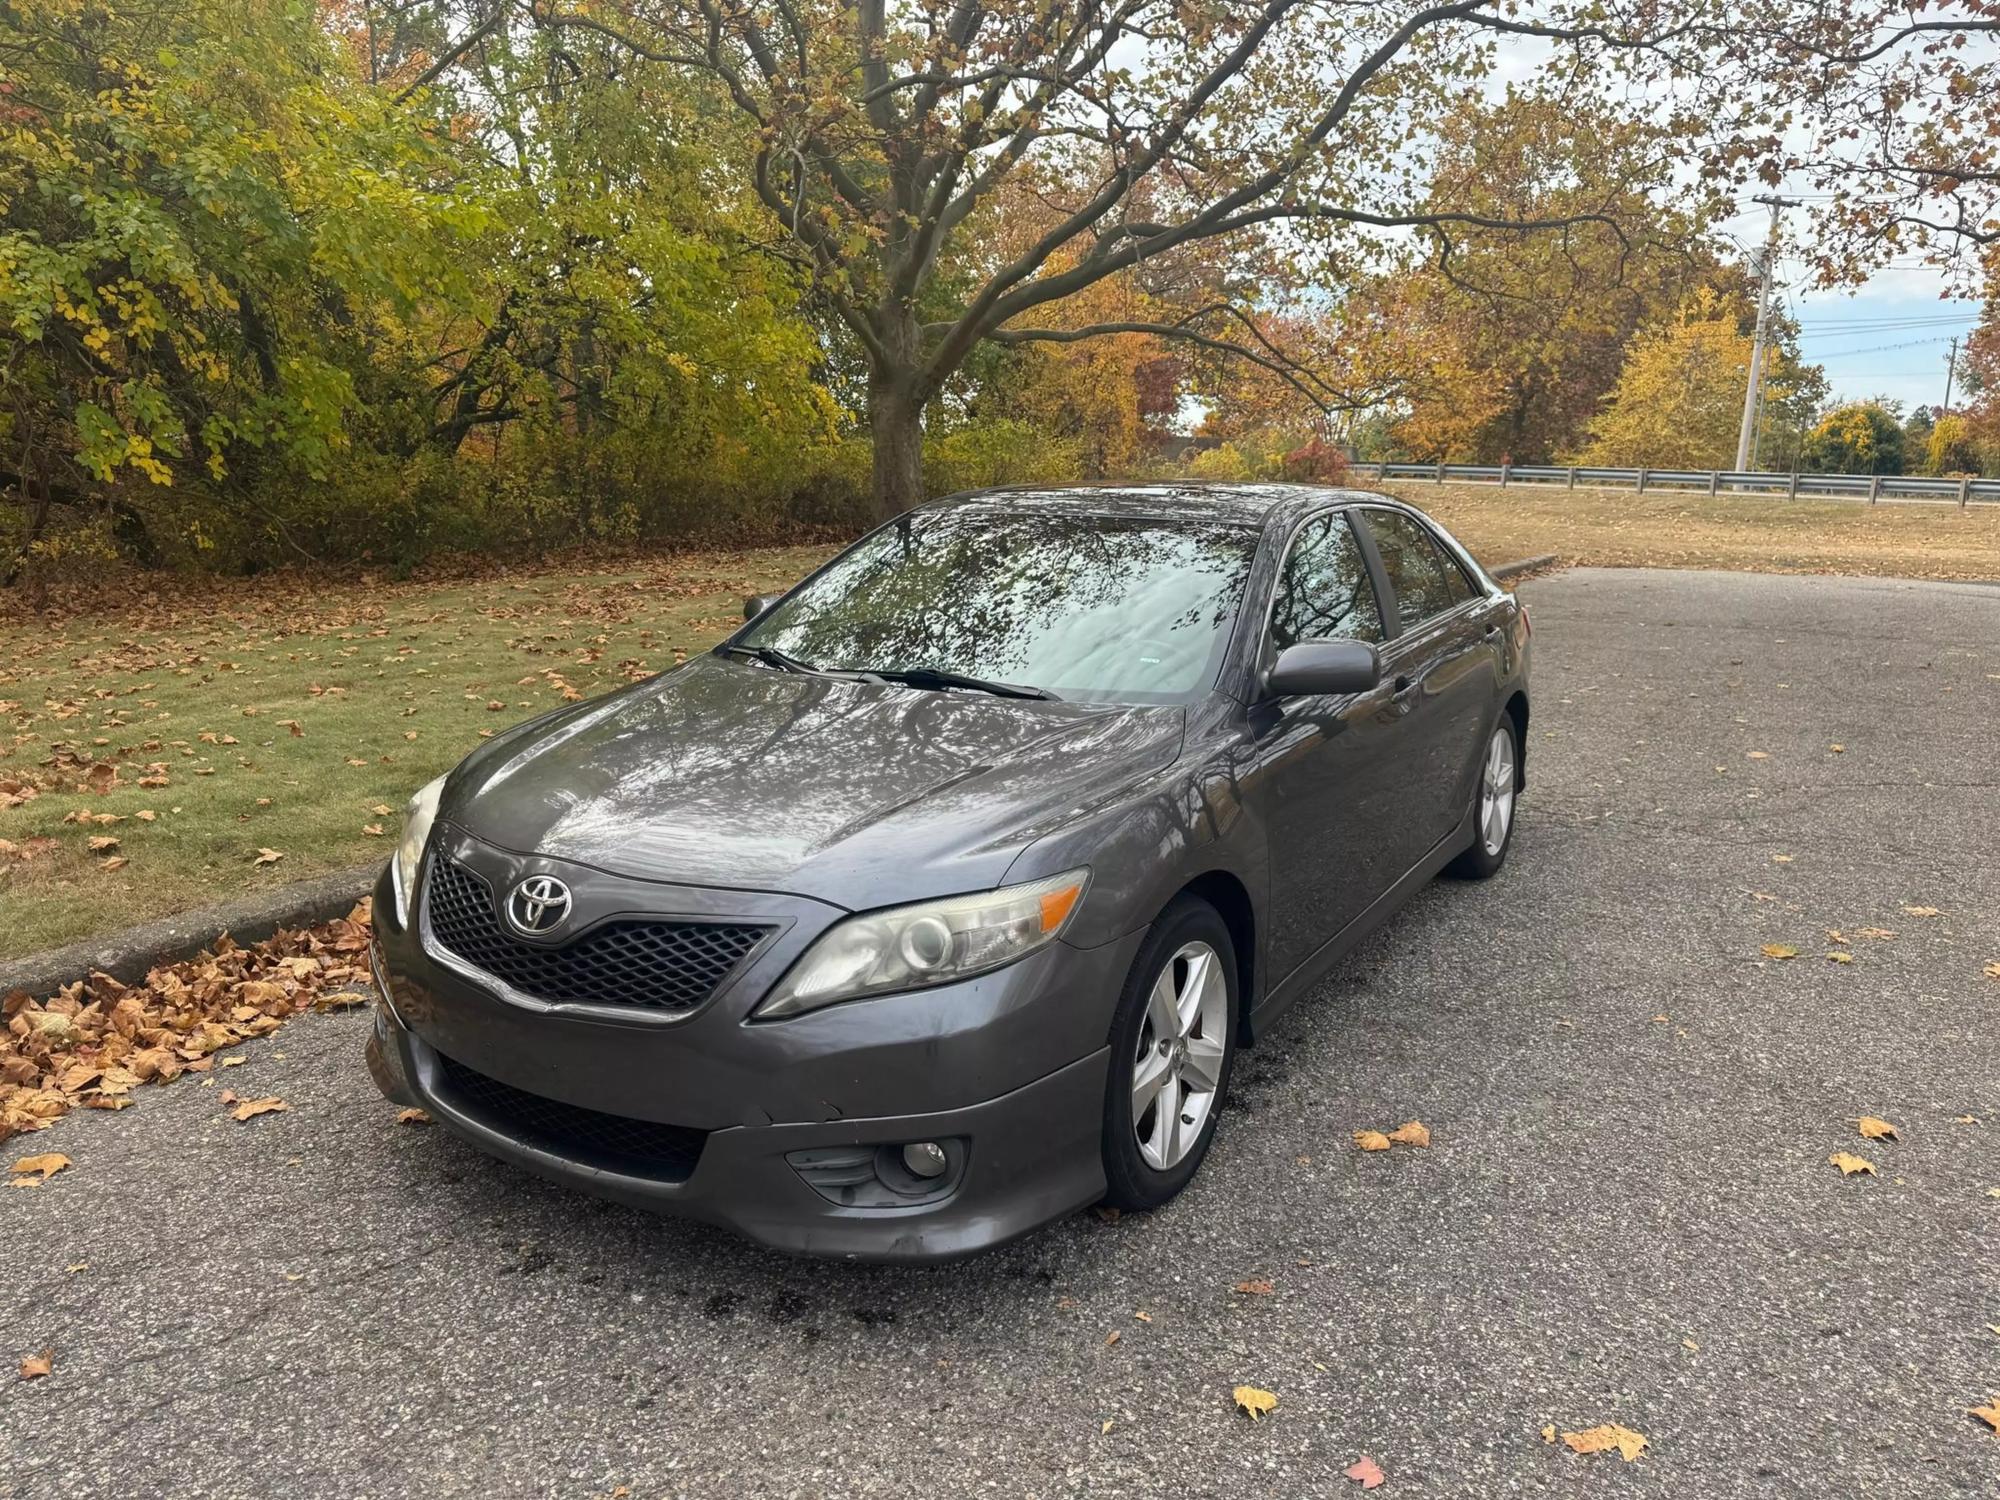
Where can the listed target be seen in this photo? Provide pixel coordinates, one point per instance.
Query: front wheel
(1493, 806)
(1173, 1041)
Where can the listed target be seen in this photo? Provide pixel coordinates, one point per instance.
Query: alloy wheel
(1496, 791)
(1178, 1063)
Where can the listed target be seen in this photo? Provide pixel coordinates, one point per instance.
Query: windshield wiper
(937, 677)
(771, 656)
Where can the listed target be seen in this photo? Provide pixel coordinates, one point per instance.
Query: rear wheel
(1173, 1041)
(1493, 806)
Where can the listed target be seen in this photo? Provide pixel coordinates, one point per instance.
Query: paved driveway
(1622, 1217)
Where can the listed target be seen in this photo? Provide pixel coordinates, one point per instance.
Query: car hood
(726, 774)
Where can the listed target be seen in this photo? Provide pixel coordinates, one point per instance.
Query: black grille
(668, 966)
(641, 1148)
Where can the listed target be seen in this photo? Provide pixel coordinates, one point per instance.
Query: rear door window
(1324, 591)
(1427, 581)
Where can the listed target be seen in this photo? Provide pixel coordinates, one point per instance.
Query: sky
(1889, 337)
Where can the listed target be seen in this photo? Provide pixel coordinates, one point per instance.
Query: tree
(1678, 402)
(1949, 448)
(1152, 126)
(203, 229)
(1862, 437)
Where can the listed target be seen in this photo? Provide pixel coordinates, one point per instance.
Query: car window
(1098, 607)
(1324, 591)
(1426, 581)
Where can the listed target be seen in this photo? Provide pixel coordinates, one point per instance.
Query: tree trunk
(896, 431)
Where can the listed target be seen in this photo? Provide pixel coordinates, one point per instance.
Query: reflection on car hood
(729, 774)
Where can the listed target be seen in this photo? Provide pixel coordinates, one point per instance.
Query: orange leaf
(268, 857)
(1779, 950)
(44, 1166)
(412, 1117)
(1849, 1165)
(1411, 1133)
(35, 1366)
(1371, 1140)
(1365, 1472)
(1989, 1413)
(252, 1107)
(1254, 1401)
(1877, 1130)
(1255, 1288)
(1605, 1438)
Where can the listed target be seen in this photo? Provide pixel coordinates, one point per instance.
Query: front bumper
(1008, 1067)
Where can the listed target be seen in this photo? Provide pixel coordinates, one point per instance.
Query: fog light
(925, 1159)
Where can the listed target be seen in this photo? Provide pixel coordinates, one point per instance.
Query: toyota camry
(936, 902)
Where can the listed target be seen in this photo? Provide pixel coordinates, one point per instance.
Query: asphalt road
(1621, 1219)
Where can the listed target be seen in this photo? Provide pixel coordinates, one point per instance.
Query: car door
(1325, 766)
(1440, 665)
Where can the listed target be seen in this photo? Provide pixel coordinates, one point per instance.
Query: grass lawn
(1758, 534)
(199, 729)
(200, 725)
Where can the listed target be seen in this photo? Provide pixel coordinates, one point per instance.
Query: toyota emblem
(540, 904)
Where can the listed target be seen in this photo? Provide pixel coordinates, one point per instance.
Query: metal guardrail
(1872, 488)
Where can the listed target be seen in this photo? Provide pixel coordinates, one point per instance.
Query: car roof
(1249, 504)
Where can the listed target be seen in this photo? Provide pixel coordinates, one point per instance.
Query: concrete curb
(1525, 565)
(128, 954)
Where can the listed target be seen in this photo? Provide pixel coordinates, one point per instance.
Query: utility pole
(1751, 396)
(1950, 369)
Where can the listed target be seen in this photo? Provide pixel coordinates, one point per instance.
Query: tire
(1148, 1161)
(1502, 760)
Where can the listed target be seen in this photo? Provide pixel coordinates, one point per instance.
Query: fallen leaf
(1365, 1472)
(1781, 859)
(412, 1117)
(1779, 951)
(1254, 1401)
(1411, 1133)
(1605, 1438)
(100, 843)
(1371, 1140)
(35, 1366)
(1921, 911)
(373, 830)
(1836, 749)
(297, 729)
(253, 1107)
(1993, 971)
(1758, 754)
(43, 1167)
(1849, 1165)
(1549, 1433)
(1835, 956)
(1989, 1413)
(1835, 935)
(382, 810)
(1255, 1288)
(1877, 1130)
(494, 706)
(268, 857)
(1143, 1316)
(1106, 1427)
(1880, 934)
(1691, 1345)
(116, 862)
(1112, 1337)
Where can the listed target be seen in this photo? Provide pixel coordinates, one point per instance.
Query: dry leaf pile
(93, 1042)
(1410, 1133)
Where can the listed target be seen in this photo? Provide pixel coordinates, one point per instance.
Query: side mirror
(755, 604)
(1324, 668)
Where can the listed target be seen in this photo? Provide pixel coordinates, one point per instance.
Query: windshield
(1110, 608)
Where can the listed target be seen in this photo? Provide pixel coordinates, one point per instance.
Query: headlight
(933, 942)
(416, 828)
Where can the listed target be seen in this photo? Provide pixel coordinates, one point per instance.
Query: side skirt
(1285, 994)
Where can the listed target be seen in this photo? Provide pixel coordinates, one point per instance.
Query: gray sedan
(937, 901)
